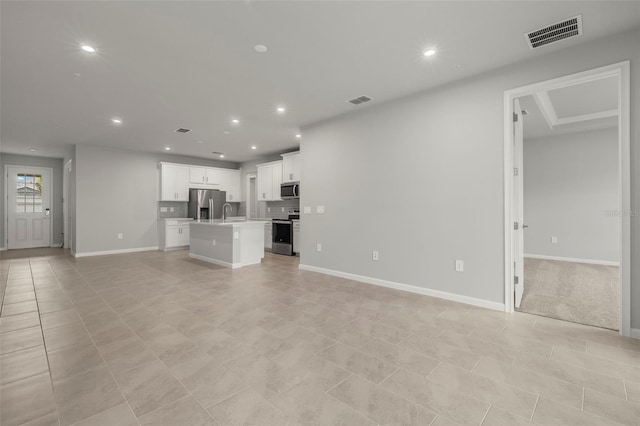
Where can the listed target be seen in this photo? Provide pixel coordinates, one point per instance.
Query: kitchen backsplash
(277, 206)
(181, 209)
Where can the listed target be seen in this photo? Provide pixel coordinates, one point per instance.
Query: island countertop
(219, 222)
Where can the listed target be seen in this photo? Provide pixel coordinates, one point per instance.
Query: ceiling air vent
(568, 28)
(183, 130)
(359, 100)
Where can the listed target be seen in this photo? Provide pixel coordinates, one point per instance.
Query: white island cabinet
(230, 244)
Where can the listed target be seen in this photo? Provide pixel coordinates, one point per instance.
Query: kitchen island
(231, 244)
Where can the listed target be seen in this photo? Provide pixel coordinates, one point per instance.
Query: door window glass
(28, 193)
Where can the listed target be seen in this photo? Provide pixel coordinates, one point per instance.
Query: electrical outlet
(319, 209)
(163, 209)
(459, 266)
(120, 235)
(171, 209)
(307, 209)
(268, 209)
(236, 235)
(554, 240)
(213, 242)
(318, 247)
(375, 255)
(283, 210)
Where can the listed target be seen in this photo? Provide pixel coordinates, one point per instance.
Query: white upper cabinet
(291, 167)
(176, 179)
(174, 184)
(234, 191)
(265, 182)
(205, 177)
(277, 180)
(269, 180)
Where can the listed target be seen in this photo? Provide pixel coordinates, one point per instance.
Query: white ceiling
(163, 65)
(577, 108)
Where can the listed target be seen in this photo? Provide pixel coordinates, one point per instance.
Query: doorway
(543, 245)
(28, 207)
(251, 199)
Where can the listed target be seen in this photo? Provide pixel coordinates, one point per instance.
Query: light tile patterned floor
(157, 338)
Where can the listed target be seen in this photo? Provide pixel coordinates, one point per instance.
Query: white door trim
(622, 71)
(247, 199)
(6, 201)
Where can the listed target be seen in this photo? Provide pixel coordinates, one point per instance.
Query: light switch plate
(236, 235)
(320, 209)
(163, 209)
(554, 240)
(307, 209)
(459, 266)
(319, 247)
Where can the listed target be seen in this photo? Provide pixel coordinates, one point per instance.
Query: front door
(28, 207)
(518, 204)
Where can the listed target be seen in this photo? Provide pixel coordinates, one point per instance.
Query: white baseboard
(106, 252)
(572, 259)
(220, 262)
(409, 288)
(635, 333)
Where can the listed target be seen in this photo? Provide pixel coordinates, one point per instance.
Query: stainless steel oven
(282, 237)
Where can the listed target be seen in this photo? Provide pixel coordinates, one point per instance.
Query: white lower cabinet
(268, 239)
(173, 234)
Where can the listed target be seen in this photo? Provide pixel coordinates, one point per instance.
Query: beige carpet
(576, 292)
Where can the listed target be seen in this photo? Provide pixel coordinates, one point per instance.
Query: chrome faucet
(224, 211)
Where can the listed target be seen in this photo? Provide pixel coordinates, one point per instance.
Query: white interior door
(28, 207)
(518, 204)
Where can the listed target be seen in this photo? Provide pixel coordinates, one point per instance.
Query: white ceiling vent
(359, 100)
(183, 130)
(568, 28)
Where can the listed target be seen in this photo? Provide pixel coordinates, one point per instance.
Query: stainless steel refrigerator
(206, 203)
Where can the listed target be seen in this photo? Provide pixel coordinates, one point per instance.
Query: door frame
(6, 201)
(621, 70)
(247, 199)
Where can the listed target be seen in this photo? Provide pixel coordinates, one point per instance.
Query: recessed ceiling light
(281, 109)
(221, 155)
(298, 136)
(226, 132)
(167, 148)
(235, 121)
(76, 74)
(33, 149)
(254, 147)
(456, 66)
(116, 121)
(87, 48)
(430, 52)
(260, 48)
(199, 142)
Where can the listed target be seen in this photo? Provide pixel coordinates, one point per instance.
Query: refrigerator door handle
(211, 208)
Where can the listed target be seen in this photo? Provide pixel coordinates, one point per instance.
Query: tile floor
(159, 339)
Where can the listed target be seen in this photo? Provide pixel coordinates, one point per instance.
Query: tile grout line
(44, 343)
(535, 407)
(486, 414)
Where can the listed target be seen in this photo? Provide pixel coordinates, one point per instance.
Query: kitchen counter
(232, 244)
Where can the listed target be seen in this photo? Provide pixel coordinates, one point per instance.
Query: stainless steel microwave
(290, 190)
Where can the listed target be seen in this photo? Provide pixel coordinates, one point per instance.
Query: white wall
(421, 179)
(117, 191)
(570, 183)
(56, 195)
